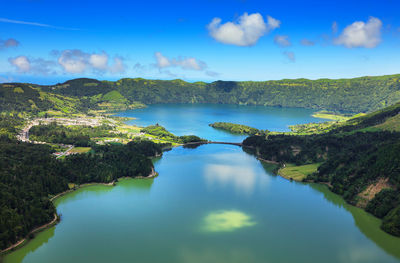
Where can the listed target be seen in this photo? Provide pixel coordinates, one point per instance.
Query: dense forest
(30, 174)
(364, 94)
(238, 128)
(355, 157)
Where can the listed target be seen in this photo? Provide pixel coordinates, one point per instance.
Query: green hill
(353, 95)
(365, 94)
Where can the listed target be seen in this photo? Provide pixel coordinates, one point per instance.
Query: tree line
(30, 174)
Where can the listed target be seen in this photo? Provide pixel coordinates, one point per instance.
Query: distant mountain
(365, 94)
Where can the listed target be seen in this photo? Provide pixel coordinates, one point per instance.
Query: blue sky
(49, 41)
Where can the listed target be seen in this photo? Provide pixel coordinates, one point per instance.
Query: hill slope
(364, 94)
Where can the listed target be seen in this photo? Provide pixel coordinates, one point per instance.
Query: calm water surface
(214, 203)
(185, 119)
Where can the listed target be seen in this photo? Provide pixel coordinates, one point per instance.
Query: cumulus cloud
(307, 42)
(73, 61)
(37, 66)
(76, 61)
(99, 61)
(69, 61)
(361, 34)
(163, 63)
(189, 63)
(11, 42)
(245, 32)
(290, 55)
(22, 63)
(282, 41)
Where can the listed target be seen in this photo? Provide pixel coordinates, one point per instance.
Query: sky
(47, 41)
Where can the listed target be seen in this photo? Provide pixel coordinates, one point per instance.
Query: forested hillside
(364, 94)
(30, 174)
(360, 161)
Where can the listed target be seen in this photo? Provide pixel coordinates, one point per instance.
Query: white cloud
(290, 55)
(162, 62)
(22, 63)
(307, 42)
(76, 61)
(99, 61)
(361, 34)
(189, 63)
(184, 63)
(38, 66)
(282, 41)
(73, 61)
(245, 32)
(272, 23)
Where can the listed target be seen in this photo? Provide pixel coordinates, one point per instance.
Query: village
(117, 127)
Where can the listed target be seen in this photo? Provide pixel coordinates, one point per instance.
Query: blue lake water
(211, 204)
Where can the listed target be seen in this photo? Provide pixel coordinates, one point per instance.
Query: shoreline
(267, 161)
(327, 184)
(21, 243)
(26, 239)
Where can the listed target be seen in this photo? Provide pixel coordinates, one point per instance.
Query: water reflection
(226, 221)
(95, 189)
(365, 222)
(214, 255)
(233, 170)
(39, 240)
(135, 185)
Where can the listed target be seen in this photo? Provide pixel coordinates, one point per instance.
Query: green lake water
(214, 203)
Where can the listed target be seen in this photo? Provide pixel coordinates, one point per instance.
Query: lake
(214, 203)
(187, 119)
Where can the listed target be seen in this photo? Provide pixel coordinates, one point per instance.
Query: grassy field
(391, 124)
(80, 150)
(330, 116)
(298, 173)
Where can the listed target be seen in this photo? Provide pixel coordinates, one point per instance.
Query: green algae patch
(226, 221)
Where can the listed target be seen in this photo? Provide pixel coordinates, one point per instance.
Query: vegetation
(10, 125)
(162, 133)
(89, 95)
(237, 128)
(80, 150)
(29, 175)
(331, 116)
(354, 156)
(76, 135)
(298, 173)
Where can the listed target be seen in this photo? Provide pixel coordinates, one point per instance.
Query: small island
(238, 128)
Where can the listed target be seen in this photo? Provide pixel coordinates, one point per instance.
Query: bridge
(211, 142)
